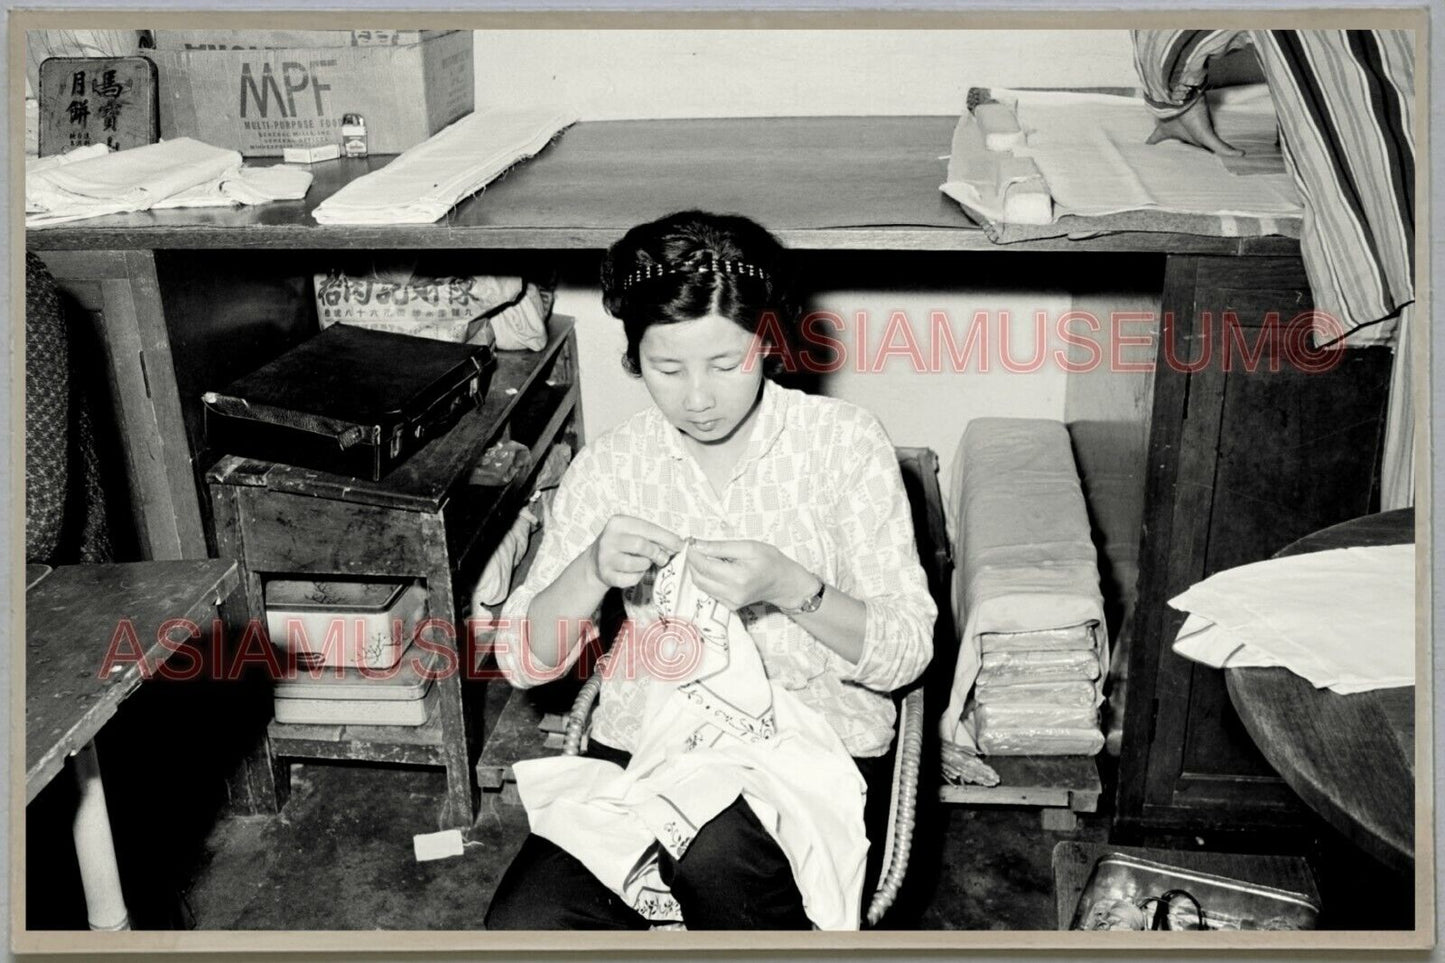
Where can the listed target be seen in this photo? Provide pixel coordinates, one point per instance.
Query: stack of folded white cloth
(1342, 619)
(426, 181)
(1033, 648)
(93, 181)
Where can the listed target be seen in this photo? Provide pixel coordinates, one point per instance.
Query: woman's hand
(626, 548)
(739, 573)
(1194, 127)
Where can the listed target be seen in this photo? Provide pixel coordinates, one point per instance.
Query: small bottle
(353, 135)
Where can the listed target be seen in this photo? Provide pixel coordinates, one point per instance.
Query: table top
(819, 183)
(74, 617)
(1349, 757)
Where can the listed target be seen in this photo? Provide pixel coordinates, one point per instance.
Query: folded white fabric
(89, 151)
(249, 185)
(1342, 619)
(723, 732)
(128, 180)
(426, 181)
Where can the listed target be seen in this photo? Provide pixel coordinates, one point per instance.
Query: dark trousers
(734, 875)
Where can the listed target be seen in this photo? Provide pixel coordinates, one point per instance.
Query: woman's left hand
(739, 573)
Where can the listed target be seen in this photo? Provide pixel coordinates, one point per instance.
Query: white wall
(629, 74)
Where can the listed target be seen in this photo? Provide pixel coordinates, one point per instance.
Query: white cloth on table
(249, 185)
(1026, 558)
(425, 182)
(93, 181)
(1093, 153)
(721, 732)
(123, 181)
(88, 152)
(1342, 619)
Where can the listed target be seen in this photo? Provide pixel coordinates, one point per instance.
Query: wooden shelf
(423, 481)
(1062, 782)
(818, 183)
(518, 733)
(410, 745)
(413, 745)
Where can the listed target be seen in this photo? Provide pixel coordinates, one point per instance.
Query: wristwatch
(811, 603)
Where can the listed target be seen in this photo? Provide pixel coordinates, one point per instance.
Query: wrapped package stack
(1037, 693)
(1033, 649)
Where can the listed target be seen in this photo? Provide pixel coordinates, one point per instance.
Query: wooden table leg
(95, 848)
(120, 293)
(460, 807)
(261, 783)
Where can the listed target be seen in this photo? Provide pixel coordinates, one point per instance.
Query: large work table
(160, 278)
(186, 300)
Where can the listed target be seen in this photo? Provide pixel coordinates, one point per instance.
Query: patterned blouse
(820, 481)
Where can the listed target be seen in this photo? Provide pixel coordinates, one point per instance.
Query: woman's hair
(691, 264)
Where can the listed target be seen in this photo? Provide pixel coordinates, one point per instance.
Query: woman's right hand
(626, 548)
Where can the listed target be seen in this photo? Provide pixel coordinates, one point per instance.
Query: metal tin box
(1119, 880)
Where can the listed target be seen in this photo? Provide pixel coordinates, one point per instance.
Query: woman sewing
(790, 511)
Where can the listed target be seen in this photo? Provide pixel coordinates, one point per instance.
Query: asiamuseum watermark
(665, 649)
(1071, 341)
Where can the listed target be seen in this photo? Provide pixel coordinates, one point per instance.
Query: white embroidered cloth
(1342, 618)
(719, 731)
(426, 181)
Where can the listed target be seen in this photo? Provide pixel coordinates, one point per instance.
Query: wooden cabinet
(1244, 457)
(424, 521)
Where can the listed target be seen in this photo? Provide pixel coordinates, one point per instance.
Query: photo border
(842, 18)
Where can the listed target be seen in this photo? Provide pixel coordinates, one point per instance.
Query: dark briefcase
(349, 401)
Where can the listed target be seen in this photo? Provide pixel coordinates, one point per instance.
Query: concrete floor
(340, 857)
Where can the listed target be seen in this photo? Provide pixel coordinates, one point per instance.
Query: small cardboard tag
(429, 846)
(311, 155)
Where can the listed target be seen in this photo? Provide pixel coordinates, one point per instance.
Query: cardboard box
(261, 101)
(286, 39)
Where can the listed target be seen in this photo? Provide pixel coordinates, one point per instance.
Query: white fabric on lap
(722, 731)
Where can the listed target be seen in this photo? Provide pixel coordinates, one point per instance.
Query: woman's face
(697, 375)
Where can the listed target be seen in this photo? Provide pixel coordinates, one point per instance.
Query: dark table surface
(1349, 757)
(74, 617)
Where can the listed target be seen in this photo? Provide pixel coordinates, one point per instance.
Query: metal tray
(1227, 904)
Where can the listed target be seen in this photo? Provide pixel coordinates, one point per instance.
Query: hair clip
(712, 265)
